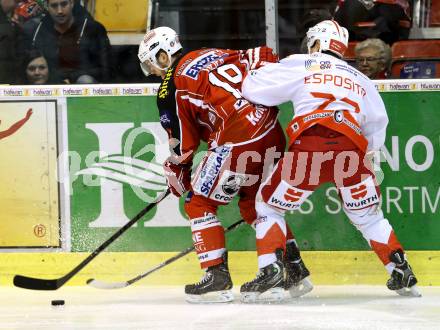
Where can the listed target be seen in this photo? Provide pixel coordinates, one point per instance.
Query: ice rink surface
(143, 307)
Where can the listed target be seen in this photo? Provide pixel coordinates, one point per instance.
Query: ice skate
(297, 281)
(268, 286)
(214, 287)
(402, 280)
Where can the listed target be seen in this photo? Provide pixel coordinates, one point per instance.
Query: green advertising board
(112, 139)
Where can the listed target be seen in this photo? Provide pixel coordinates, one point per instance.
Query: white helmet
(161, 38)
(332, 37)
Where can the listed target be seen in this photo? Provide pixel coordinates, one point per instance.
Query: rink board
(327, 267)
(107, 135)
(125, 125)
(29, 196)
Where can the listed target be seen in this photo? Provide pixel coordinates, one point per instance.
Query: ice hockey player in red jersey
(199, 99)
(340, 120)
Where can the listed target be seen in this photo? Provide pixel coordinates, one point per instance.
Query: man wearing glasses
(373, 58)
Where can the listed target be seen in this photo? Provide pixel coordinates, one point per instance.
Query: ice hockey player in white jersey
(339, 122)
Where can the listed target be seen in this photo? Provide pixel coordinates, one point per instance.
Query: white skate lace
(259, 275)
(206, 277)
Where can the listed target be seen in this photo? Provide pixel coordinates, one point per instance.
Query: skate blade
(304, 286)
(210, 297)
(409, 292)
(274, 295)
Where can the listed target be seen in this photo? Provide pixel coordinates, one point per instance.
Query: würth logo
(292, 195)
(359, 192)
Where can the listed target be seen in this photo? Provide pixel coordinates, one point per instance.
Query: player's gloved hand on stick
(178, 176)
(260, 56)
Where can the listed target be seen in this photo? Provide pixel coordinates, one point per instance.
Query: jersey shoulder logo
(195, 66)
(324, 65)
(311, 65)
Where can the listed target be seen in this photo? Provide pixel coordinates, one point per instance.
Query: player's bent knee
(360, 195)
(264, 209)
(364, 216)
(197, 206)
(285, 196)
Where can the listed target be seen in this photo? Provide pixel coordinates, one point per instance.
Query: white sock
(266, 259)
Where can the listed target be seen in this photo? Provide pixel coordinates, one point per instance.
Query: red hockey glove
(260, 56)
(178, 177)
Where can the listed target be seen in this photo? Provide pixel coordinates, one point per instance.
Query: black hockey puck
(57, 302)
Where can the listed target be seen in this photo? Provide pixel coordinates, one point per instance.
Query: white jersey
(320, 82)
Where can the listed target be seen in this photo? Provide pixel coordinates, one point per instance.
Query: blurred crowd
(52, 42)
(60, 42)
(374, 26)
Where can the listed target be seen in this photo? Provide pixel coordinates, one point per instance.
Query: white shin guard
(267, 218)
(371, 223)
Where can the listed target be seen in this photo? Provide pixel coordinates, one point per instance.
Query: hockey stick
(117, 285)
(54, 284)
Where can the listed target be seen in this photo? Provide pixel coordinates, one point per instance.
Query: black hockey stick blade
(32, 283)
(37, 283)
(118, 285)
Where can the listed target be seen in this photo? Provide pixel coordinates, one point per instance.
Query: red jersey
(200, 99)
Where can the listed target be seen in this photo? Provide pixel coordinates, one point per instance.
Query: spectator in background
(8, 47)
(373, 58)
(35, 70)
(311, 18)
(74, 44)
(27, 9)
(389, 20)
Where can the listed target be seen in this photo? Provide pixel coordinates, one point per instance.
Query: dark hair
(28, 57)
